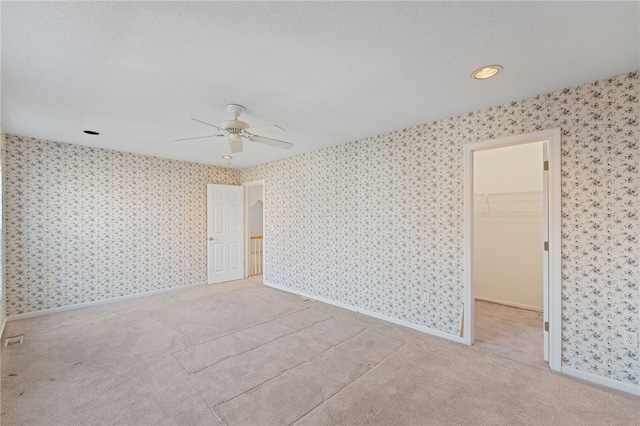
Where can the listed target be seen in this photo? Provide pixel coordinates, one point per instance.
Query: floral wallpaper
(85, 224)
(377, 223)
(3, 297)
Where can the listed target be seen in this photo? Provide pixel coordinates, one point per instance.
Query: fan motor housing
(234, 126)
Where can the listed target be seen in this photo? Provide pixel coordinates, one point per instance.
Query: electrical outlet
(427, 298)
(631, 339)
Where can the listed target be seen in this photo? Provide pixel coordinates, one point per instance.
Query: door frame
(552, 136)
(247, 232)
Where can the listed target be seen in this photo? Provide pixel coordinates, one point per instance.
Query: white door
(545, 250)
(225, 233)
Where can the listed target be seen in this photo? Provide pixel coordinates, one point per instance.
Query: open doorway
(484, 239)
(509, 269)
(254, 198)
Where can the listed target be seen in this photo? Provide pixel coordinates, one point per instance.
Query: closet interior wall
(508, 225)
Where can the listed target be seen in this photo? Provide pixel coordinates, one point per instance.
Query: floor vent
(15, 340)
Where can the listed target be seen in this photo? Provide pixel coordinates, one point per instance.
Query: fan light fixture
(228, 158)
(235, 131)
(486, 72)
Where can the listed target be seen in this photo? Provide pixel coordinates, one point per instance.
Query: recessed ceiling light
(227, 157)
(486, 72)
(91, 132)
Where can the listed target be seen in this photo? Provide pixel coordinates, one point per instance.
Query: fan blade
(188, 139)
(206, 124)
(235, 145)
(270, 141)
(268, 128)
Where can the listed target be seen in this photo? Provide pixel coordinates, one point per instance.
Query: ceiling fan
(236, 130)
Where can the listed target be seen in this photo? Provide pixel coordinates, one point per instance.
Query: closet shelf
(508, 203)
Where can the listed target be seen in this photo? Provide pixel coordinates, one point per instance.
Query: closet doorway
(508, 239)
(512, 295)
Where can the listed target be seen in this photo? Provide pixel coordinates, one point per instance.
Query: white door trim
(247, 232)
(555, 278)
(545, 254)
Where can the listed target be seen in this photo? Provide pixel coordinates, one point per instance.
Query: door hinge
(546, 246)
(545, 165)
(546, 326)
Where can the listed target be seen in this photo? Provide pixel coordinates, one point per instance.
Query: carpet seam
(249, 350)
(287, 370)
(353, 382)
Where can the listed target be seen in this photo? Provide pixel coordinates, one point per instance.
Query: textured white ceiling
(329, 73)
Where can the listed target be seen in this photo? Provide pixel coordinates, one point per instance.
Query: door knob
(210, 238)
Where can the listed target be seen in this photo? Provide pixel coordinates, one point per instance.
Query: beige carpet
(510, 332)
(243, 354)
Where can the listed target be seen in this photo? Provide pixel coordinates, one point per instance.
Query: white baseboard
(625, 387)
(373, 314)
(605, 381)
(515, 305)
(590, 377)
(96, 302)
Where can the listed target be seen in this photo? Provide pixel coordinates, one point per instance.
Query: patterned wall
(378, 223)
(85, 224)
(3, 297)
(375, 224)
